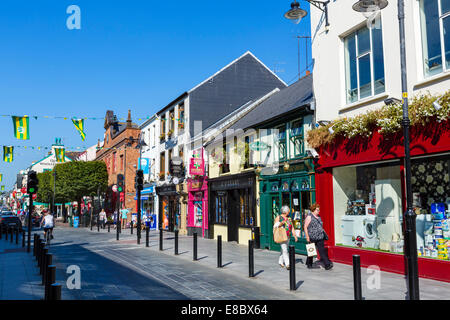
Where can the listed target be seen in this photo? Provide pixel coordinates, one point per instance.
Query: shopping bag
(311, 249)
(279, 235)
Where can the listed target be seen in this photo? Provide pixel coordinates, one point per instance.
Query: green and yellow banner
(60, 154)
(21, 127)
(79, 125)
(3, 188)
(8, 154)
(1, 177)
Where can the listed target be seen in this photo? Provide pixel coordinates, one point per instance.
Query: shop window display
(431, 202)
(368, 207)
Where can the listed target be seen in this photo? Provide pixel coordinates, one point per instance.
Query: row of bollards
(52, 290)
(10, 232)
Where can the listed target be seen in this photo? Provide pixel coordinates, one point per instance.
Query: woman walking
(316, 234)
(283, 220)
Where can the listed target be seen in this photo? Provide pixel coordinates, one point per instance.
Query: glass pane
(446, 27)
(445, 6)
(363, 41)
(378, 60)
(350, 69)
(365, 88)
(431, 43)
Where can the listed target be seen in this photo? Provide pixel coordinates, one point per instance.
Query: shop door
(172, 213)
(233, 215)
(275, 209)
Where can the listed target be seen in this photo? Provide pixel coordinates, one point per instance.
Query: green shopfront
(293, 186)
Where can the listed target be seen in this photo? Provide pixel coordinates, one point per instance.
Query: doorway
(233, 215)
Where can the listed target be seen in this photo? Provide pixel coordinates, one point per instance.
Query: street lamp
(296, 14)
(365, 6)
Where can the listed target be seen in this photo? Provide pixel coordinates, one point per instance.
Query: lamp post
(366, 6)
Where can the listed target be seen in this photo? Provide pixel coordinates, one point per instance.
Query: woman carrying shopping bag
(285, 222)
(316, 234)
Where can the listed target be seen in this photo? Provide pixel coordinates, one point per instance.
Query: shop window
(368, 207)
(221, 214)
(171, 123)
(364, 63)
(225, 165)
(162, 136)
(435, 24)
(162, 166)
(247, 216)
(431, 201)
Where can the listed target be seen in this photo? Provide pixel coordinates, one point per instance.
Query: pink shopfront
(197, 188)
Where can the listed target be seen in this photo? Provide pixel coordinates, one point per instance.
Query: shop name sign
(259, 146)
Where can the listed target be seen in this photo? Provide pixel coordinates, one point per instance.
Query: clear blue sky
(136, 55)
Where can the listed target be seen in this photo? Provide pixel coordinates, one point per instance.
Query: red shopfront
(197, 187)
(360, 186)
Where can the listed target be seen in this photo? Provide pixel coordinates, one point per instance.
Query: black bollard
(43, 261)
(176, 242)
(12, 234)
(357, 277)
(55, 291)
(34, 244)
(219, 251)
(17, 235)
(49, 280)
(23, 238)
(160, 239)
(195, 246)
(131, 227)
(292, 268)
(41, 250)
(117, 230)
(48, 258)
(109, 227)
(251, 262)
(146, 236)
(1, 231)
(98, 224)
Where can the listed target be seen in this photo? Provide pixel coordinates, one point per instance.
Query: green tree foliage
(74, 180)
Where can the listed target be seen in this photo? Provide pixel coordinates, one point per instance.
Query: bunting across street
(79, 125)
(8, 154)
(21, 127)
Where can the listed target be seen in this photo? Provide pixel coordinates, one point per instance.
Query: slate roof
(287, 100)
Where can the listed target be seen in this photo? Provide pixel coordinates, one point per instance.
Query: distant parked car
(7, 213)
(8, 221)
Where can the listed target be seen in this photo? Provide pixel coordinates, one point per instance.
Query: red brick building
(121, 157)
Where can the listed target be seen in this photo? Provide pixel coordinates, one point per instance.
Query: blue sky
(136, 55)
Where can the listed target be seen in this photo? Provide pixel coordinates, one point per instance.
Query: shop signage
(170, 189)
(197, 167)
(258, 146)
(144, 164)
(233, 184)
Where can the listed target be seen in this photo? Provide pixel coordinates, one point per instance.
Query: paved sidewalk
(19, 275)
(316, 284)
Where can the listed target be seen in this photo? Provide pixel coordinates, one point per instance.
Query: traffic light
(120, 182)
(139, 180)
(32, 183)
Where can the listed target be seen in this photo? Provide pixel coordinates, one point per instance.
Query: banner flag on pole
(60, 154)
(8, 154)
(79, 125)
(1, 177)
(21, 127)
(3, 188)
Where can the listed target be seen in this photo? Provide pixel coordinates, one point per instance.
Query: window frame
(358, 57)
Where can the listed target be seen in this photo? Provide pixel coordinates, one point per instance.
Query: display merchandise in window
(368, 207)
(431, 202)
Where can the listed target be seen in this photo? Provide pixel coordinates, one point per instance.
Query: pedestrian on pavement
(316, 234)
(125, 212)
(284, 220)
(102, 218)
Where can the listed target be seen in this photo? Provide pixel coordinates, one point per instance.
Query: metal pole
(146, 237)
(54, 190)
(17, 235)
(219, 251)
(49, 280)
(357, 277)
(47, 261)
(55, 291)
(251, 267)
(43, 257)
(410, 216)
(131, 226)
(23, 238)
(30, 213)
(195, 246)
(109, 227)
(176, 242)
(138, 230)
(98, 224)
(160, 239)
(292, 280)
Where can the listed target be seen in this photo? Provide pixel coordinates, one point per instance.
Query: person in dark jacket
(316, 234)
